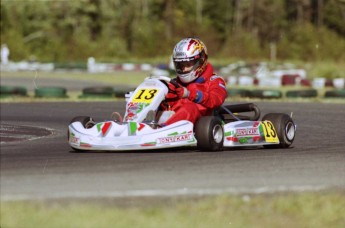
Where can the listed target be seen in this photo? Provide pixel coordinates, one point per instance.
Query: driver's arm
(210, 94)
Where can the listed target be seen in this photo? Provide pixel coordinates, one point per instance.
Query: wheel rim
(290, 131)
(89, 124)
(217, 134)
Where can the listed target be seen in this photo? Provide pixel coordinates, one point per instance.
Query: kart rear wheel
(285, 128)
(209, 133)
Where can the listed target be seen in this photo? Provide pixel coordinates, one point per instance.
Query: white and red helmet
(190, 59)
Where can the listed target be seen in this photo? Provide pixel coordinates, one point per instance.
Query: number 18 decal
(269, 132)
(145, 95)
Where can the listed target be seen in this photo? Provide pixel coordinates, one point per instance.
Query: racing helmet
(190, 59)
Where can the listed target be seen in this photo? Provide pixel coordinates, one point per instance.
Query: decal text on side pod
(176, 138)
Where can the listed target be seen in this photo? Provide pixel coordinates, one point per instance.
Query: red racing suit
(206, 93)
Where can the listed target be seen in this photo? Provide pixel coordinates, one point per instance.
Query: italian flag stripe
(105, 127)
(132, 128)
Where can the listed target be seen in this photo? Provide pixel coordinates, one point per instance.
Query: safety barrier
(302, 93)
(120, 91)
(6, 91)
(51, 92)
(97, 92)
(286, 80)
(335, 93)
(266, 94)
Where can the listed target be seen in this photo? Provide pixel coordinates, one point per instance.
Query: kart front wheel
(209, 133)
(285, 128)
(86, 121)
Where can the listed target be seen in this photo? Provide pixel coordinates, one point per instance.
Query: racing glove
(172, 92)
(177, 91)
(182, 92)
(192, 95)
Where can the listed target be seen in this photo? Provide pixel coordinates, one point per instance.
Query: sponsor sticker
(175, 138)
(215, 77)
(247, 131)
(73, 139)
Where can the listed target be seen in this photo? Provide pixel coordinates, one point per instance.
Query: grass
(115, 78)
(306, 209)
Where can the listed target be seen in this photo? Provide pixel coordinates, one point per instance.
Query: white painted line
(161, 192)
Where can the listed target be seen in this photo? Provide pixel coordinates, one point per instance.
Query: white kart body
(130, 136)
(134, 133)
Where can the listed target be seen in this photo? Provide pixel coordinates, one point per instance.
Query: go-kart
(235, 125)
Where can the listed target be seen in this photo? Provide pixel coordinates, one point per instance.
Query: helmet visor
(184, 67)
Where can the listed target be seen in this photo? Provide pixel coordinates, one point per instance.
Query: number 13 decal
(145, 95)
(269, 131)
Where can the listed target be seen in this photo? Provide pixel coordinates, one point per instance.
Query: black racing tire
(51, 92)
(105, 91)
(209, 133)
(238, 92)
(95, 96)
(266, 94)
(6, 91)
(21, 91)
(335, 93)
(308, 93)
(86, 121)
(285, 128)
(121, 90)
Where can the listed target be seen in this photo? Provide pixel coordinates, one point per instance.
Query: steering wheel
(169, 80)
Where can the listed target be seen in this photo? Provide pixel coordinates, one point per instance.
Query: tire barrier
(238, 93)
(335, 93)
(98, 92)
(51, 92)
(6, 91)
(309, 93)
(121, 90)
(266, 94)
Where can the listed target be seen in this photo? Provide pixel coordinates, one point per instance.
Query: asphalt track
(47, 168)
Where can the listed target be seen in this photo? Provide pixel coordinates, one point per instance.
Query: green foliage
(327, 69)
(244, 45)
(334, 11)
(308, 43)
(128, 29)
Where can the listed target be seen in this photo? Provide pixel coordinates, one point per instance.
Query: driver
(200, 90)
